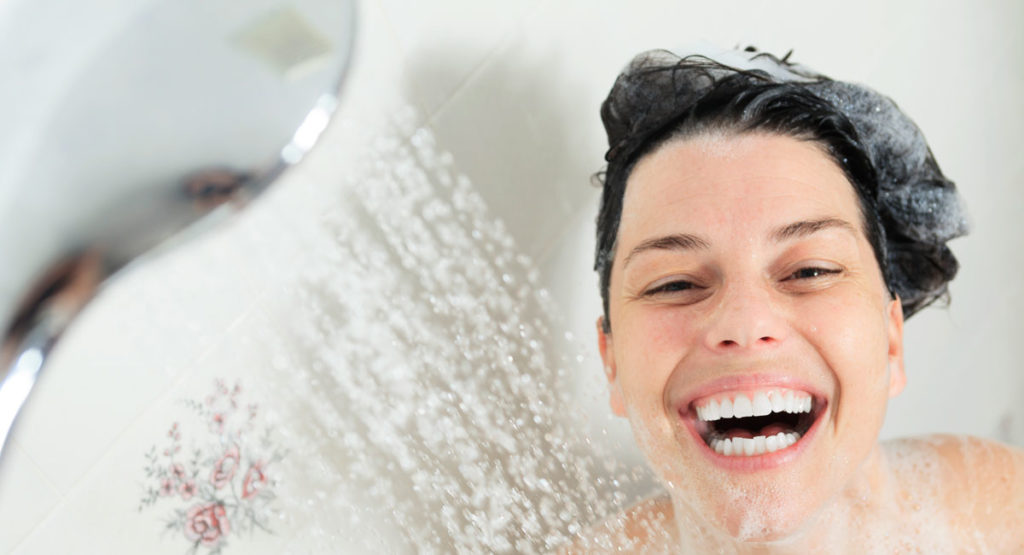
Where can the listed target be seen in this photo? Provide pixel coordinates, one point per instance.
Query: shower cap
(910, 207)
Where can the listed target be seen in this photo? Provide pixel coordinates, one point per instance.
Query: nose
(745, 318)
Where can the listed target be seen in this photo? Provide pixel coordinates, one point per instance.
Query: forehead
(733, 182)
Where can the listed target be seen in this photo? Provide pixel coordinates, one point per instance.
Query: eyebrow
(796, 230)
(679, 241)
(686, 241)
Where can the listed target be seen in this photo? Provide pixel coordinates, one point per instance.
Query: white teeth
(783, 440)
(763, 403)
(790, 406)
(741, 407)
(748, 447)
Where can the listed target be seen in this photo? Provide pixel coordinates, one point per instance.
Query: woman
(763, 234)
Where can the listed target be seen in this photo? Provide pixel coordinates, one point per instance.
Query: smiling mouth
(756, 423)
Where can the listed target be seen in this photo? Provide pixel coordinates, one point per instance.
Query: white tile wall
(512, 90)
(28, 496)
(439, 52)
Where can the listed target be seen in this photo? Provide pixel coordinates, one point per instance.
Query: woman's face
(743, 284)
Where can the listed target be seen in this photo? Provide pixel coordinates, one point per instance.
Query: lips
(743, 421)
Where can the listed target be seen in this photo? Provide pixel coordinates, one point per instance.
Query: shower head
(130, 125)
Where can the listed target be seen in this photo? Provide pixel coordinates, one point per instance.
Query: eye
(670, 287)
(812, 272)
(676, 290)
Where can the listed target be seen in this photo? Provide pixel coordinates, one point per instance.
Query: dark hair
(909, 208)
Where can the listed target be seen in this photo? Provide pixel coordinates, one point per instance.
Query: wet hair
(909, 208)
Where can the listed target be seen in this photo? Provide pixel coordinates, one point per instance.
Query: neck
(866, 503)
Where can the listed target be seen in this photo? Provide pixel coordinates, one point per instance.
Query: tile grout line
(500, 44)
(46, 479)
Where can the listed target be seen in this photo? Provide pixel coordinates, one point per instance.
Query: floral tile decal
(217, 483)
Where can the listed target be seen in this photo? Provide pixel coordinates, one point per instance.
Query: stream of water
(428, 403)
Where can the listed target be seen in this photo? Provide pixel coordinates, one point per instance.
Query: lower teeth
(759, 445)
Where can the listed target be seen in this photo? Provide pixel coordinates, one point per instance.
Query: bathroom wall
(512, 90)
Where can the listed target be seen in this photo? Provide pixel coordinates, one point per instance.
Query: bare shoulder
(979, 482)
(646, 527)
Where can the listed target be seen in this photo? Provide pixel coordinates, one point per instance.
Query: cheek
(651, 343)
(848, 332)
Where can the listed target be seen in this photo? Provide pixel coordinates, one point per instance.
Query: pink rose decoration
(225, 468)
(217, 423)
(177, 471)
(187, 490)
(166, 487)
(202, 512)
(254, 481)
(207, 524)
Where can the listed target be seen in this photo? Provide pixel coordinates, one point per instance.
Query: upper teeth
(740, 405)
